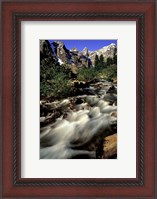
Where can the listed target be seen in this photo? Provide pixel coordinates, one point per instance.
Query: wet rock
(110, 146)
(114, 114)
(80, 85)
(79, 101)
(112, 89)
(43, 110)
(42, 119)
(110, 98)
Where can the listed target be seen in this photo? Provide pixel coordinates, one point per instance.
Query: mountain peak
(112, 44)
(85, 51)
(74, 49)
(58, 43)
(85, 48)
(86, 58)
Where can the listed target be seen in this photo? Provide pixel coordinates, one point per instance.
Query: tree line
(101, 63)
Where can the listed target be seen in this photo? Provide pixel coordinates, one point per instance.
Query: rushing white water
(79, 134)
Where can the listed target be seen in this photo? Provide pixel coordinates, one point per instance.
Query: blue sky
(90, 44)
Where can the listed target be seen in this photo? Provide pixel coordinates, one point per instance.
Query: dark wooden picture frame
(143, 12)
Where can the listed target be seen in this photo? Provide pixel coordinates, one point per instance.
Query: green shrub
(54, 80)
(87, 74)
(60, 86)
(109, 73)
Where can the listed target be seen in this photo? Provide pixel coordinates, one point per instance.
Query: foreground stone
(110, 146)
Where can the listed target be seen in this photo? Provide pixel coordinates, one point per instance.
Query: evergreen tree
(101, 62)
(115, 57)
(109, 61)
(96, 62)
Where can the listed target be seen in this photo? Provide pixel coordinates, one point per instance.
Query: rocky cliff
(57, 51)
(46, 52)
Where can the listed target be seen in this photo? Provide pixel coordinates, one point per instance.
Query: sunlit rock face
(106, 51)
(61, 52)
(85, 52)
(57, 52)
(82, 123)
(72, 56)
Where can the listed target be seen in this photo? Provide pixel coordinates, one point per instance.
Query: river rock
(110, 146)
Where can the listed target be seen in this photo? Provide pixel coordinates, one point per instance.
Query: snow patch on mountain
(84, 57)
(60, 61)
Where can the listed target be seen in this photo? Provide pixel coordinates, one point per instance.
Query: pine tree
(109, 61)
(115, 57)
(96, 62)
(101, 62)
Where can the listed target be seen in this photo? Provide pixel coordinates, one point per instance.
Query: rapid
(75, 127)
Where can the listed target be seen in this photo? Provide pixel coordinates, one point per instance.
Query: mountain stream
(75, 127)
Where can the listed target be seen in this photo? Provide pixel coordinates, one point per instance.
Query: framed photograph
(78, 99)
